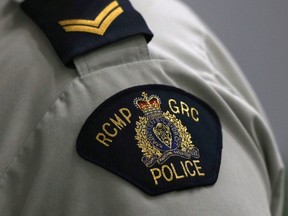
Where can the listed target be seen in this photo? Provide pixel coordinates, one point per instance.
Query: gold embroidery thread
(97, 26)
(160, 135)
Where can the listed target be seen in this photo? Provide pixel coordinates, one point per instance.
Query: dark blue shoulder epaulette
(76, 27)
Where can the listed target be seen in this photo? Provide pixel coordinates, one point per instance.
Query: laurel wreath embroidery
(186, 139)
(149, 150)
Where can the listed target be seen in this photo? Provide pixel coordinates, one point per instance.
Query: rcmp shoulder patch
(160, 138)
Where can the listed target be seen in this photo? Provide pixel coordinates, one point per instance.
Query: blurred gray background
(256, 33)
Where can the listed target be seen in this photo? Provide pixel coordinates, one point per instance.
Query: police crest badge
(161, 135)
(159, 138)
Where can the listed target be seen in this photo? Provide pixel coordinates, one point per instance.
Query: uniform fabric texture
(45, 104)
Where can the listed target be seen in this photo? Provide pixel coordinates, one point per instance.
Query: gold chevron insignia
(97, 26)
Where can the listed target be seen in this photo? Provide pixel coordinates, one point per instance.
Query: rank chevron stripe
(97, 26)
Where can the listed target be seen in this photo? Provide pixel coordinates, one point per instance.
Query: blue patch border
(81, 151)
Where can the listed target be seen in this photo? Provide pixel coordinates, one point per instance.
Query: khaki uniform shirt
(44, 106)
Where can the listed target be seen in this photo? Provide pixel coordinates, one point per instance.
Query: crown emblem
(150, 106)
(161, 135)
